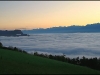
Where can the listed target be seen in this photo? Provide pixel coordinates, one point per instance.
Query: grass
(12, 62)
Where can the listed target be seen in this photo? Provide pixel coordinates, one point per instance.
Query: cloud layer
(71, 44)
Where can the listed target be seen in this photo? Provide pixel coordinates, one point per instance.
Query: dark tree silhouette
(1, 44)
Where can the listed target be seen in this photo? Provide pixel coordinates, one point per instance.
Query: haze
(45, 14)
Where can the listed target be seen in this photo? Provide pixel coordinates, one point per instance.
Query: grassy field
(12, 62)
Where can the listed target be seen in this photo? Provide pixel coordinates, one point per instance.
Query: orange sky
(45, 14)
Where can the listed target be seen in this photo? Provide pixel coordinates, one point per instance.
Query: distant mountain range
(89, 28)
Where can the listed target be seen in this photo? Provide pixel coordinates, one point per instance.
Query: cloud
(73, 44)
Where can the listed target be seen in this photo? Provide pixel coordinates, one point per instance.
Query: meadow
(13, 62)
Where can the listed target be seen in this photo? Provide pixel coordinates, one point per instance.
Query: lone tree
(1, 45)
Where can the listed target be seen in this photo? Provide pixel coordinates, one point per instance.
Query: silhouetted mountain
(12, 33)
(70, 29)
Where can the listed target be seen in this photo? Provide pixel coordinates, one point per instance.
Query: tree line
(93, 63)
(12, 48)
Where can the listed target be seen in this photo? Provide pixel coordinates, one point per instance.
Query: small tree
(1, 45)
(15, 49)
(36, 53)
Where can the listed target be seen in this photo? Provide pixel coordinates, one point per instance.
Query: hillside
(12, 62)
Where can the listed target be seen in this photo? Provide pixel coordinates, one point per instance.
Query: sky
(45, 14)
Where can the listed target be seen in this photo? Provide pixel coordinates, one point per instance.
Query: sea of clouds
(71, 44)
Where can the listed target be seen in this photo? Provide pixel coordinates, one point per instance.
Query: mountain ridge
(95, 27)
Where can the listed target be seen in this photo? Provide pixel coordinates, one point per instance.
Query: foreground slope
(12, 62)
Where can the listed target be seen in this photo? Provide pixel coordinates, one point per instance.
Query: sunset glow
(45, 14)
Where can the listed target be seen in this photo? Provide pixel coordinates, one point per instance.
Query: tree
(1, 45)
(36, 53)
(51, 56)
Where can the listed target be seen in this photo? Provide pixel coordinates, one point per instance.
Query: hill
(12, 33)
(70, 29)
(12, 62)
